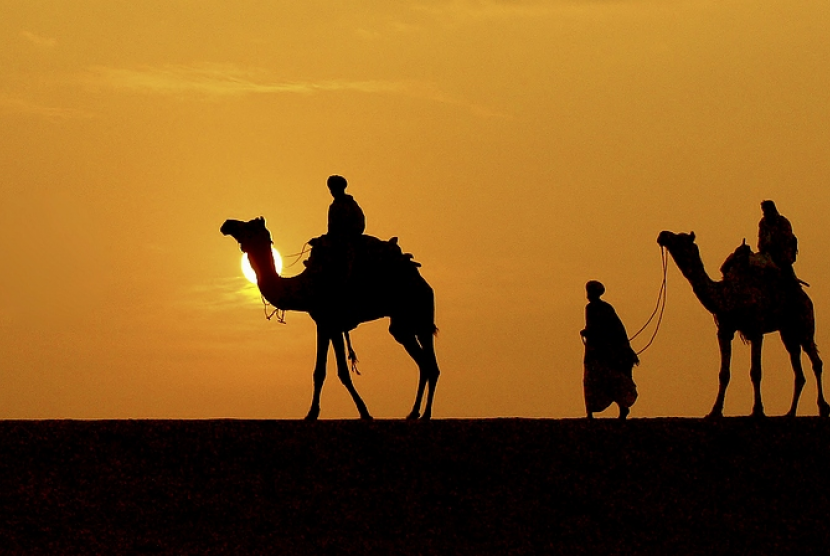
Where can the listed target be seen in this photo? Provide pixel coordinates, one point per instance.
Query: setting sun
(248, 271)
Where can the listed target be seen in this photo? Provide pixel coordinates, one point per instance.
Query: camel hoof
(426, 417)
(366, 417)
(413, 416)
(313, 413)
(824, 409)
(714, 416)
(758, 414)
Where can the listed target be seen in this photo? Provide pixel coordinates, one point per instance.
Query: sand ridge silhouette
(495, 486)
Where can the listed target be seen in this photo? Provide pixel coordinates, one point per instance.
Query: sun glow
(248, 271)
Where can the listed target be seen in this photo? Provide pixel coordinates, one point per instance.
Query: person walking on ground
(609, 358)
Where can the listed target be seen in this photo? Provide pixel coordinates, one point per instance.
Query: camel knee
(798, 372)
(755, 375)
(399, 332)
(723, 377)
(343, 375)
(430, 370)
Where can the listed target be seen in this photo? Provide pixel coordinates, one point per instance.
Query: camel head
(253, 236)
(686, 254)
(679, 245)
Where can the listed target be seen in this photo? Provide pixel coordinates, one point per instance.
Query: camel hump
(737, 261)
(762, 261)
(748, 267)
(376, 250)
(364, 253)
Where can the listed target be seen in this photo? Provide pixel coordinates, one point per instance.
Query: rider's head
(594, 289)
(769, 208)
(337, 185)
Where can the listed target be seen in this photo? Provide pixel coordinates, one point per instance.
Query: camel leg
(319, 374)
(345, 377)
(756, 345)
(812, 352)
(432, 370)
(416, 352)
(725, 342)
(794, 349)
(422, 350)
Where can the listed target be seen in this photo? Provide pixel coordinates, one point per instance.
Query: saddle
(744, 263)
(341, 261)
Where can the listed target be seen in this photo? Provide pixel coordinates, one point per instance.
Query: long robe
(609, 359)
(775, 237)
(346, 219)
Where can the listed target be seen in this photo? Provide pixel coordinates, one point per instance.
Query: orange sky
(518, 149)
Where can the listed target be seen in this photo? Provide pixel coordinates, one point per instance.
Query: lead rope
(297, 256)
(277, 312)
(661, 304)
(280, 313)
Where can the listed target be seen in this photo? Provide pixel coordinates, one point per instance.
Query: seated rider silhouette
(346, 219)
(346, 224)
(777, 241)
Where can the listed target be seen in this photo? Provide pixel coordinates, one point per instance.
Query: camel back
(366, 258)
(746, 268)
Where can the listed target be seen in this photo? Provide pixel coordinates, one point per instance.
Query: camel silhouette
(385, 282)
(754, 300)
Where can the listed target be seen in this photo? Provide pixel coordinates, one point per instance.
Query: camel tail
(426, 331)
(812, 344)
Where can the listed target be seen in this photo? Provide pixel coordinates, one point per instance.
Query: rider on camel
(346, 223)
(346, 219)
(777, 241)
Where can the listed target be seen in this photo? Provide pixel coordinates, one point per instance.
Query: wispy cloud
(472, 10)
(491, 9)
(221, 294)
(37, 40)
(13, 105)
(221, 81)
(211, 81)
(432, 93)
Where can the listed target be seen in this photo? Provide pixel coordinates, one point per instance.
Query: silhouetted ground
(501, 486)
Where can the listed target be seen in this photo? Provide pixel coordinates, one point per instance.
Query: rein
(661, 304)
(297, 256)
(277, 312)
(280, 313)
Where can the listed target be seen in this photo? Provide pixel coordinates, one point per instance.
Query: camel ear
(260, 220)
(692, 235)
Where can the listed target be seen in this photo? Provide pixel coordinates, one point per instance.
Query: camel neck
(289, 294)
(706, 289)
